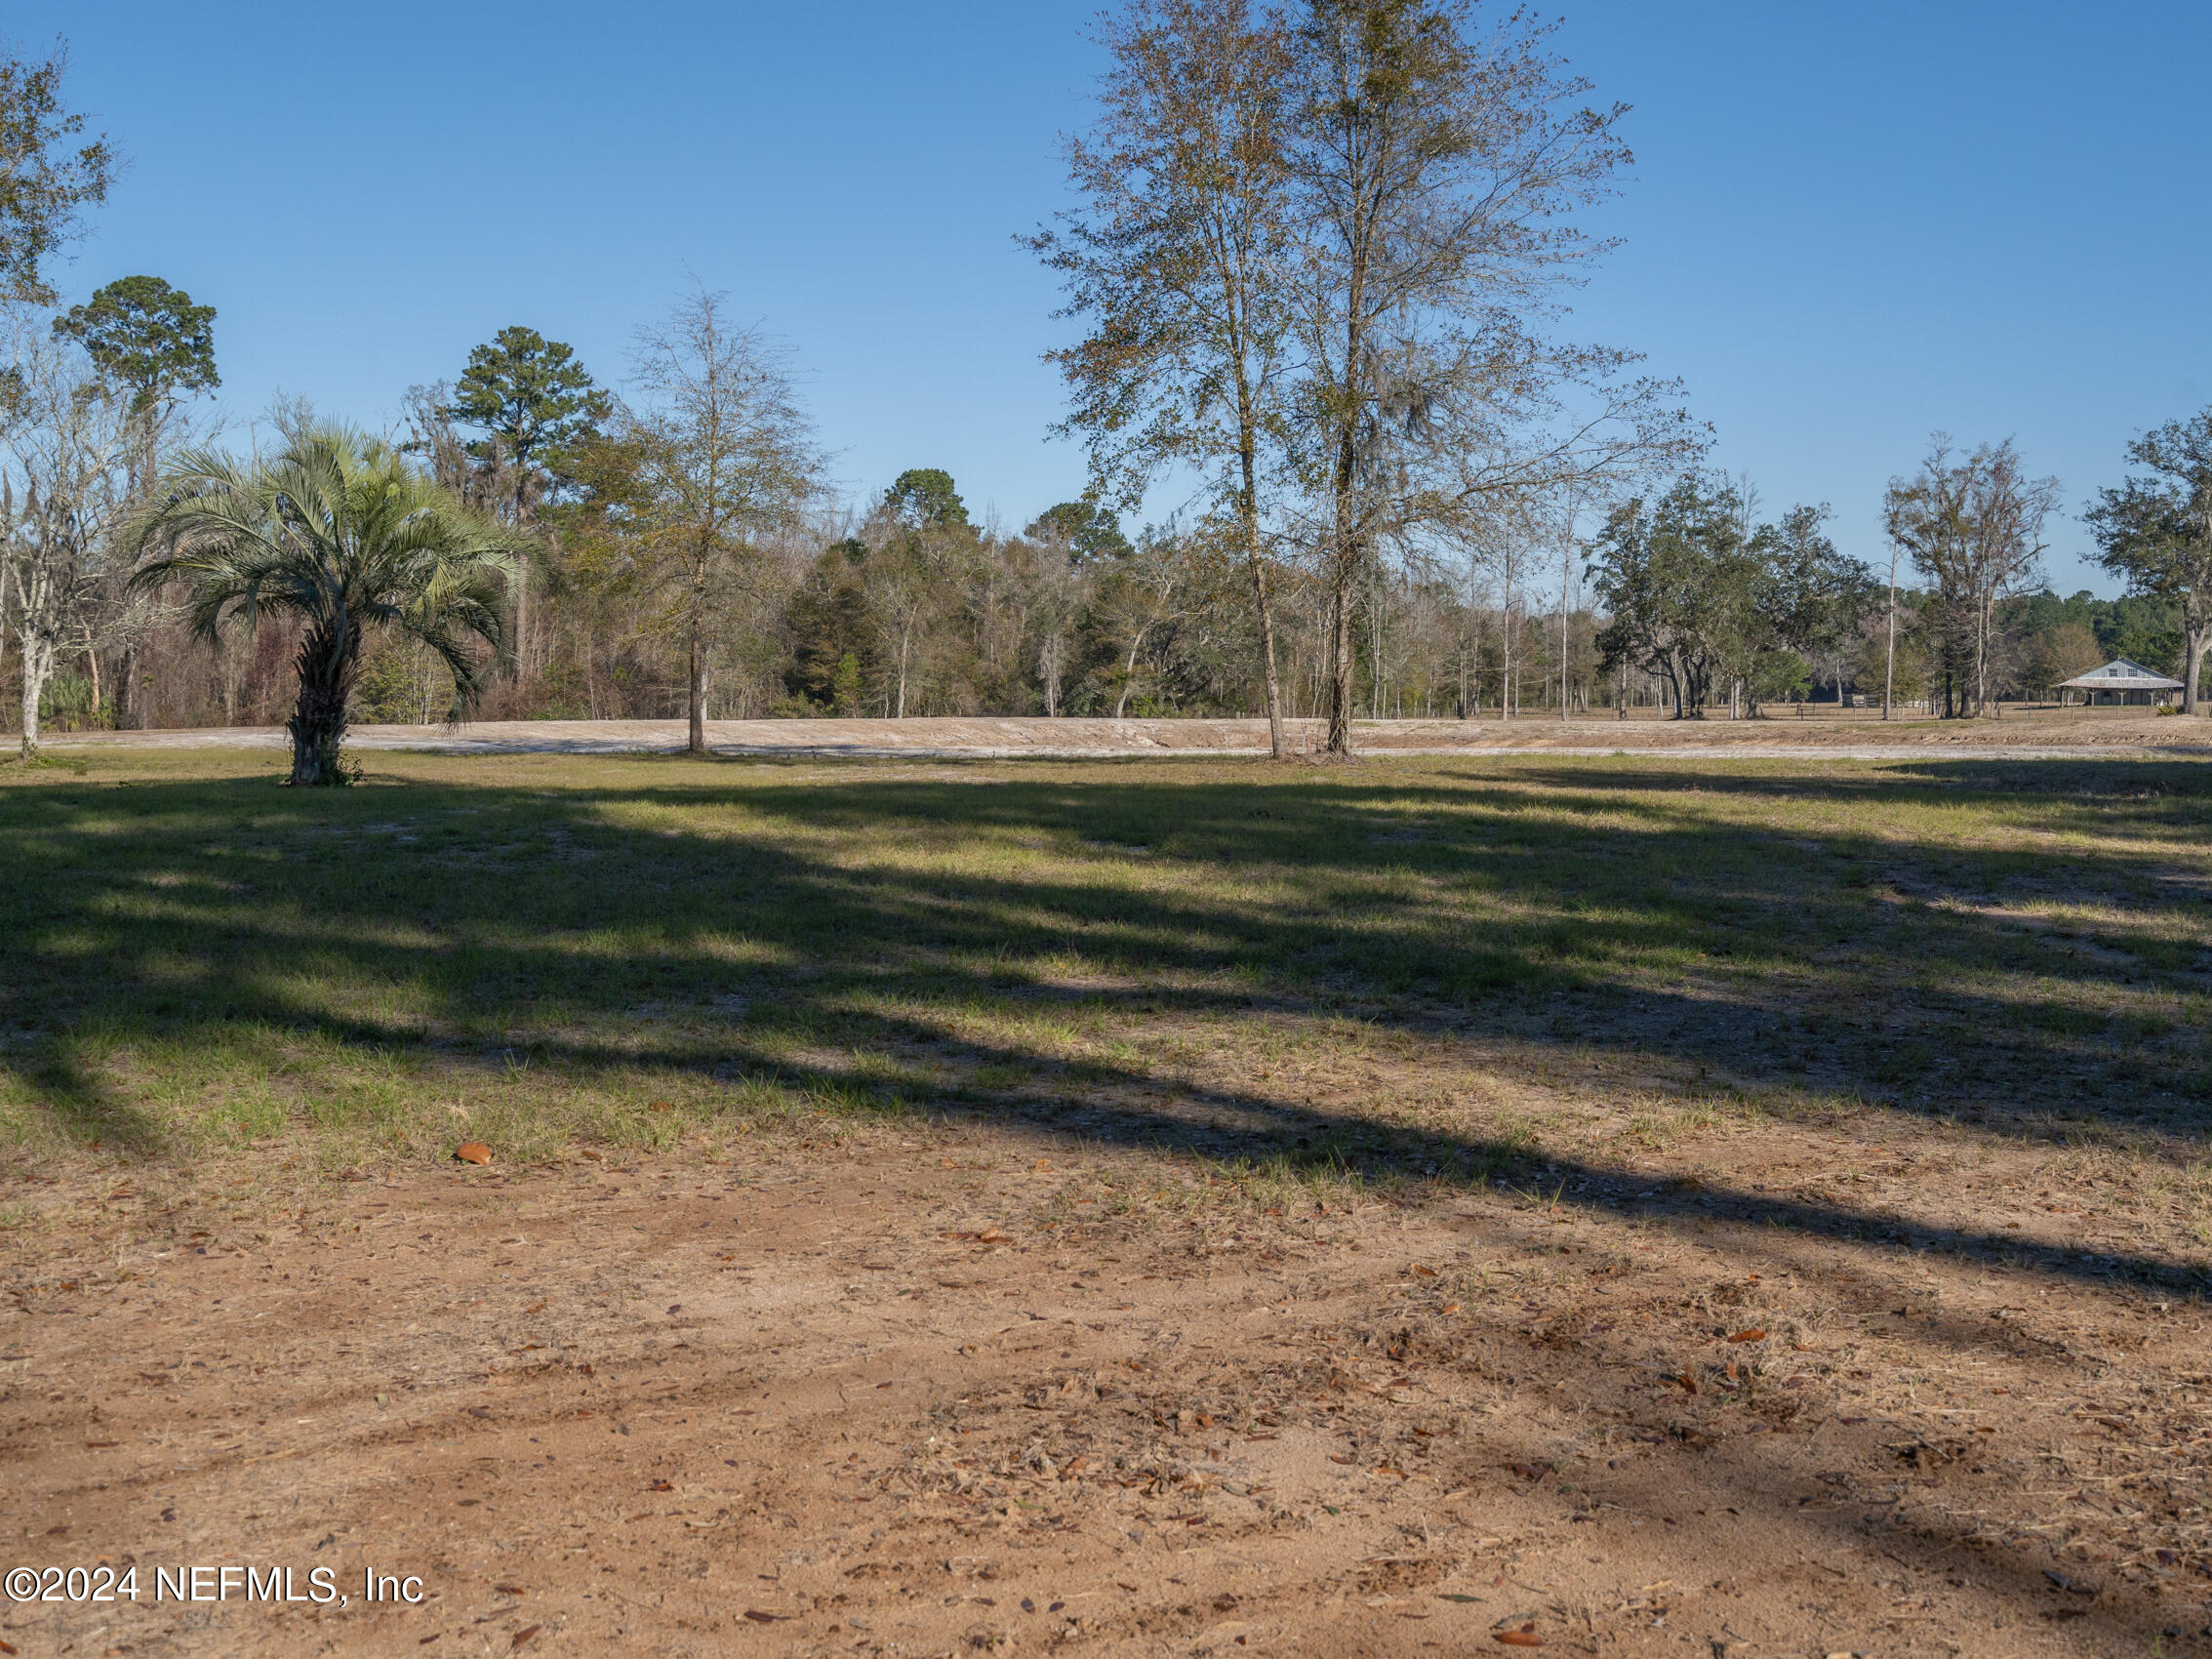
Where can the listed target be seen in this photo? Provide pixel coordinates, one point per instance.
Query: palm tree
(337, 530)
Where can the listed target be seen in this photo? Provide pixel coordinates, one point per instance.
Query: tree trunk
(1278, 745)
(694, 681)
(2196, 640)
(318, 718)
(1129, 672)
(1339, 666)
(521, 615)
(38, 665)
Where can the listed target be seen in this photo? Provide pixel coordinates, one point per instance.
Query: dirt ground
(1807, 1389)
(1857, 732)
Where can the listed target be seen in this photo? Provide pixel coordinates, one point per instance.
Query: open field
(1809, 729)
(1732, 1206)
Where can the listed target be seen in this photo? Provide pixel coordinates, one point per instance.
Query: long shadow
(1536, 905)
(796, 933)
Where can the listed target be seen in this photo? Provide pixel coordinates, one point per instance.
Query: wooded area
(1311, 281)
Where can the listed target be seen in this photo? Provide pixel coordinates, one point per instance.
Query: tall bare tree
(1178, 261)
(725, 457)
(67, 443)
(1973, 525)
(2158, 533)
(1440, 160)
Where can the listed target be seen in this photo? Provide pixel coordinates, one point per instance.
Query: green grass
(1394, 970)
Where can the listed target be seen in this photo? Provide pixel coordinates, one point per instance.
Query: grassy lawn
(1400, 971)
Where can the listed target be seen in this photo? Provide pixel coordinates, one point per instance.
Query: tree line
(1313, 278)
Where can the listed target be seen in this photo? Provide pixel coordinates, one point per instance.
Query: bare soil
(1856, 733)
(1001, 1391)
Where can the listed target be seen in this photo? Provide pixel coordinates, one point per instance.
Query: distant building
(2120, 683)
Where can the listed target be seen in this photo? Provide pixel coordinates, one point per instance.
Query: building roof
(2122, 676)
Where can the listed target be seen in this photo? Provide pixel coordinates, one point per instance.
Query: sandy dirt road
(2030, 736)
(946, 1397)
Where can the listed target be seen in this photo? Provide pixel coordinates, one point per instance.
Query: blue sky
(1849, 224)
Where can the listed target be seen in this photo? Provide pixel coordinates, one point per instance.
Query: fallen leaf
(991, 1235)
(508, 1589)
(474, 1152)
(589, 1153)
(1455, 1595)
(1333, 1458)
(1685, 1381)
(1420, 1272)
(1452, 1307)
(1525, 1636)
(659, 1486)
(534, 1308)
(1758, 1333)
(761, 1618)
(101, 1445)
(524, 1635)
(662, 1106)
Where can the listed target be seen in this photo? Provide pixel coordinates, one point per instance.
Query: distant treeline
(1310, 275)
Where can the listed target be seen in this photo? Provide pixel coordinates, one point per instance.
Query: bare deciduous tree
(1973, 525)
(725, 456)
(64, 485)
(1178, 261)
(1439, 166)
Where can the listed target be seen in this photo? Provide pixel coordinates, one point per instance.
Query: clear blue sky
(1850, 223)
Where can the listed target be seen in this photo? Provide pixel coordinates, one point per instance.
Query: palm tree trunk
(318, 718)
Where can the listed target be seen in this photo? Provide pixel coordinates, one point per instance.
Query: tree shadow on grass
(833, 938)
(869, 926)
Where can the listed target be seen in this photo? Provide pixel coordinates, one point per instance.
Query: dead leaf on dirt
(508, 1589)
(1420, 1272)
(589, 1153)
(761, 1618)
(101, 1446)
(1525, 1636)
(1452, 1307)
(1683, 1380)
(664, 1106)
(1756, 1333)
(524, 1635)
(659, 1486)
(474, 1152)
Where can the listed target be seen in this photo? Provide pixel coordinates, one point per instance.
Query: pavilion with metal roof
(2121, 682)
